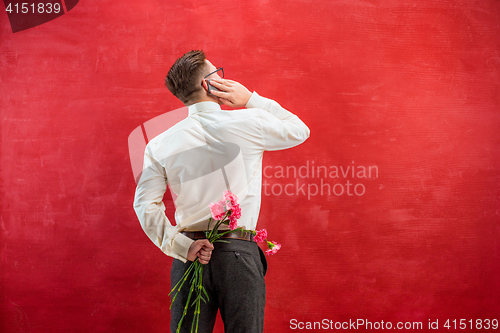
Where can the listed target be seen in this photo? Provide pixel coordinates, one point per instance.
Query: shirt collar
(203, 106)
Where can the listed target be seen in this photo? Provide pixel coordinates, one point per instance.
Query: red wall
(410, 88)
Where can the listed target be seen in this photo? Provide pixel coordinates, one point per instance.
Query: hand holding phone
(211, 87)
(230, 92)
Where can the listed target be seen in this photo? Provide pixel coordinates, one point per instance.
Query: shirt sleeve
(149, 207)
(281, 128)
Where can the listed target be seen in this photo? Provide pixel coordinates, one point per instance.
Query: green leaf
(206, 294)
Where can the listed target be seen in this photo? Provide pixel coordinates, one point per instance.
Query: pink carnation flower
(236, 212)
(260, 236)
(230, 196)
(233, 218)
(231, 200)
(233, 224)
(273, 248)
(217, 210)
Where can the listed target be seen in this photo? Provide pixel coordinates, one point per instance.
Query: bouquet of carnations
(226, 211)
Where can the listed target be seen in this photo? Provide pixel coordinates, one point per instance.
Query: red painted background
(410, 87)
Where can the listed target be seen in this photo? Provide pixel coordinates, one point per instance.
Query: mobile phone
(211, 87)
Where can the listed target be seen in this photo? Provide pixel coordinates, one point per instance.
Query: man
(210, 151)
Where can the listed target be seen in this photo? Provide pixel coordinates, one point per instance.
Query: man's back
(211, 151)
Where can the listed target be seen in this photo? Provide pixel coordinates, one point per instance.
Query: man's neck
(208, 99)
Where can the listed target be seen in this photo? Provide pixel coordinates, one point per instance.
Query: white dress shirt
(210, 151)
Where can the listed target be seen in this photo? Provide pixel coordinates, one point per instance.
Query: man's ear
(205, 84)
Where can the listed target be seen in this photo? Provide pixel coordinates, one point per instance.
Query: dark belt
(248, 236)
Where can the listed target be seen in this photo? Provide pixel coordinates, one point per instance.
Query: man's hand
(231, 92)
(201, 249)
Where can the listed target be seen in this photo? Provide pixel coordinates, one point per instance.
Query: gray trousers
(234, 281)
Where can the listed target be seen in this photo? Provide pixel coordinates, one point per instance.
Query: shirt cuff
(181, 245)
(266, 104)
(256, 101)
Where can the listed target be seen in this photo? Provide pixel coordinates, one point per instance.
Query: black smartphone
(211, 87)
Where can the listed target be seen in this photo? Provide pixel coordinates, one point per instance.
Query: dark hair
(184, 78)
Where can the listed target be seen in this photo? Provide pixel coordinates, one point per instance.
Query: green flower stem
(187, 302)
(196, 318)
(195, 273)
(183, 279)
(217, 225)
